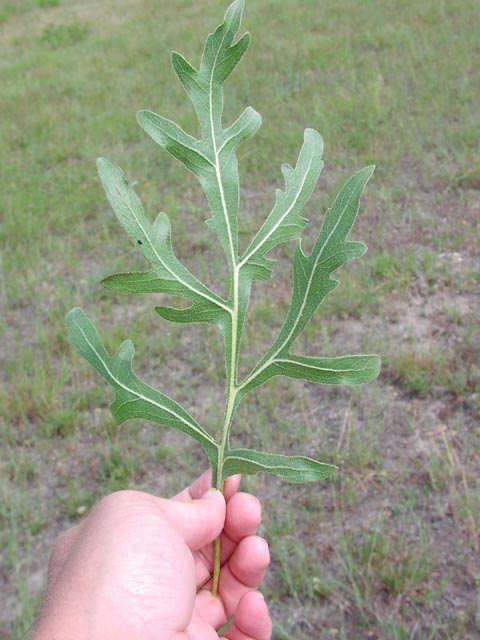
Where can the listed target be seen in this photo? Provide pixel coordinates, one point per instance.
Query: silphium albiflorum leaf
(168, 275)
(284, 221)
(212, 159)
(312, 281)
(135, 398)
(288, 468)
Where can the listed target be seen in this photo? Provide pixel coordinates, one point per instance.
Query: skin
(139, 567)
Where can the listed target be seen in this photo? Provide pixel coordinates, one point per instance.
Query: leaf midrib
(319, 368)
(218, 174)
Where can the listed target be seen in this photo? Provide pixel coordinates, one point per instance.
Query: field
(390, 548)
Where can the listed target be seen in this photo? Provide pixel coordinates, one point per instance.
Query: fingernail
(209, 493)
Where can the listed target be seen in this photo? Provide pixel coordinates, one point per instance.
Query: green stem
(230, 403)
(218, 481)
(216, 567)
(218, 484)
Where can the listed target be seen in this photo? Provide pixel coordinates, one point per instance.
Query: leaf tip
(369, 170)
(332, 468)
(142, 116)
(246, 38)
(233, 14)
(108, 170)
(107, 283)
(126, 351)
(102, 161)
(73, 314)
(181, 65)
(237, 5)
(313, 135)
(376, 366)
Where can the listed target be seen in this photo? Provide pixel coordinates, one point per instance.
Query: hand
(132, 568)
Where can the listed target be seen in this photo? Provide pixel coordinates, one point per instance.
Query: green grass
(390, 83)
(63, 35)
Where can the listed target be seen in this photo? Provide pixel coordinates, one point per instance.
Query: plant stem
(216, 567)
(230, 405)
(217, 556)
(218, 481)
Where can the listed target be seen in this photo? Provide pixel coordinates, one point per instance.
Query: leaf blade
(347, 370)
(168, 275)
(288, 468)
(185, 148)
(284, 221)
(134, 398)
(312, 274)
(312, 279)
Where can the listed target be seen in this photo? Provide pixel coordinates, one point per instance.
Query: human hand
(132, 568)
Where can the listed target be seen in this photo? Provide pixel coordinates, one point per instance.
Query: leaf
(135, 398)
(284, 222)
(343, 370)
(168, 275)
(179, 144)
(349, 370)
(219, 56)
(312, 279)
(312, 275)
(244, 127)
(288, 468)
(213, 158)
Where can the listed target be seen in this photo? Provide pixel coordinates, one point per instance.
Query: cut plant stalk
(212, 159)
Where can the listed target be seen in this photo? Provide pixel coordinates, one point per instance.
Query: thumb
(199, 522)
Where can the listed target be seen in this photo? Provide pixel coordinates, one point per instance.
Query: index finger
(202, 484)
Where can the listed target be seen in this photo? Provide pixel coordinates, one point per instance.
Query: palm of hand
(140, 567)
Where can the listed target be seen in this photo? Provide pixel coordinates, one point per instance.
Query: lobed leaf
(168, 274)
(312, 281)
(135, 398)
(219, 56)
(288, 468)
(349, 370)
(284, 221)
(212, 159)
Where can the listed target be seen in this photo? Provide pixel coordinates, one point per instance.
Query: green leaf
(168, 274)
(135, 398)
(179, 144)
(219, 56)
(312, 280)
(288, 468)
(349, 370)
(284, 222)
(343, 370)
(213, 158)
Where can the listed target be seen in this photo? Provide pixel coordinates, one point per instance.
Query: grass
(63, 35)
(389, 549)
